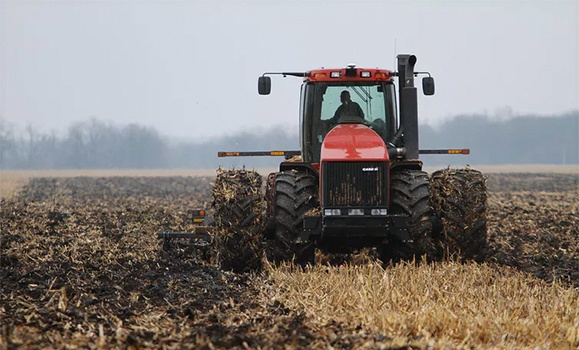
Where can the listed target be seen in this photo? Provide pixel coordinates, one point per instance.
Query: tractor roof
(348, 74)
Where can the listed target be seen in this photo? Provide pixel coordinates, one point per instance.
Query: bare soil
(81, 267)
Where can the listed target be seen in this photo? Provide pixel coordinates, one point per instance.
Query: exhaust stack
(408, 104)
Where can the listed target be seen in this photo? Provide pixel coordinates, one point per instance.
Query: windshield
(324, 105)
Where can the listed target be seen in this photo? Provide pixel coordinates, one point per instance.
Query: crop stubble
(81, 267)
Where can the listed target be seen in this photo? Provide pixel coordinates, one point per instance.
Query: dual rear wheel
(459, 197)
(409, 196)
(447, 215)
(295, 193)
(453, 199)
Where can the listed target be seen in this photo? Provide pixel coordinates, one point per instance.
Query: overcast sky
(190, 68)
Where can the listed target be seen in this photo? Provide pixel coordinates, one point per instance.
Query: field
(81, 267)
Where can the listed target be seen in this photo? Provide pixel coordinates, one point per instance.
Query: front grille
(355, 184)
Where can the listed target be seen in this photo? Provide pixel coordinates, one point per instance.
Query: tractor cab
(373, 95)
(330, 97)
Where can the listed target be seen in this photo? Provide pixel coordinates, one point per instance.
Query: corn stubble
(448, 304)
(525, 294)
(80, 267)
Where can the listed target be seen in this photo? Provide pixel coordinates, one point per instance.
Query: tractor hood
(353, 142)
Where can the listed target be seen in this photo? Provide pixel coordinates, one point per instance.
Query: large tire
(409, 196)
(459, 198)
(237, 242)
(295, 194)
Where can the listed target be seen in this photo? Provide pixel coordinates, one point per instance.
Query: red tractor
(358, 180)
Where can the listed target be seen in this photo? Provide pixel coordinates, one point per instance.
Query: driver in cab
(350, 111)
(348, 108)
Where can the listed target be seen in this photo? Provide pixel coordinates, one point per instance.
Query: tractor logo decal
(370, 169)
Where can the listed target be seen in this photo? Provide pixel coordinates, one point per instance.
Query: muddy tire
(459, 197)
(295, 194)
(237, 242)
(409, 195)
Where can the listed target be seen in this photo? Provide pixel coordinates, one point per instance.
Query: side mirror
(428, 86)
(264, 85)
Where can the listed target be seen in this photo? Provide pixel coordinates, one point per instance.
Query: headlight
(379, 212)
(332, 212)
(355, 212)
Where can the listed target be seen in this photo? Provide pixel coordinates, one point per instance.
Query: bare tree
(7, 143)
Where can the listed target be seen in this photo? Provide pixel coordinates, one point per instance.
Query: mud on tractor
(358, 180)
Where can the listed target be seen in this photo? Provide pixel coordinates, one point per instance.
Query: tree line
(95, 144)
(90, 144)
(518, 140)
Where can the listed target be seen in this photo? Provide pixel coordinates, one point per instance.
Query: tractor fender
(413, 164)
(300, 166)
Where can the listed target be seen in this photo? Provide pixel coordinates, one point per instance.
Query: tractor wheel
(237, 204)
(295, 194)
(409, 196)
(459, 197)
